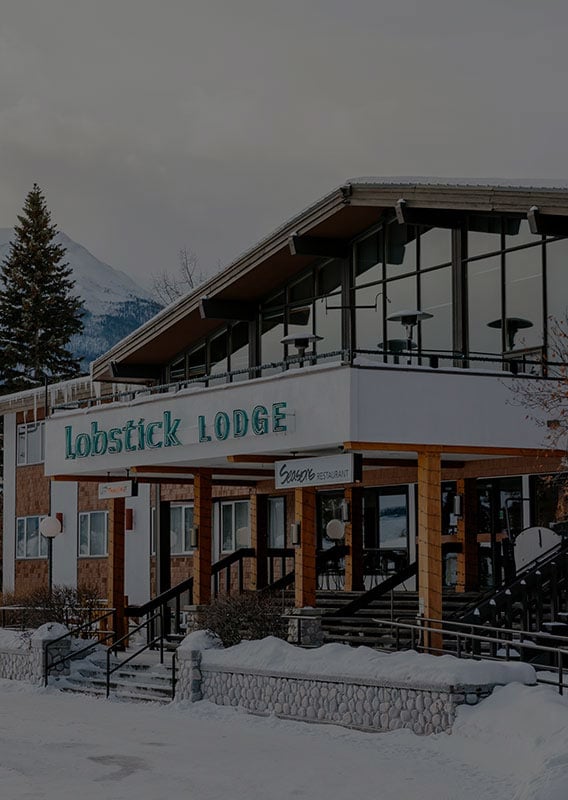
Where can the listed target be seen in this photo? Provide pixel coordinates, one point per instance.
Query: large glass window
(218, 358)
(557, 280)
(31, 443)
(328, 313)
(235, 530)
(368, 259)
(29, 542)
(240, 351)
(401, 254)
(93, 531)
(435, 247)
(401, 296)
(549, 499)
(272, 333)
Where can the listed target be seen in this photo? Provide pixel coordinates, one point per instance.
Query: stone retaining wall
(357, 703)
(22, 654)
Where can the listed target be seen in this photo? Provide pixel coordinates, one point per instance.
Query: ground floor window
(93, 533)
(549, 499)
(181, 523)
(385, 529)
(277, 522)
(234, 523)
(29, 541)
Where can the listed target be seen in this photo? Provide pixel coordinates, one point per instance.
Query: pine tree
(38, 311)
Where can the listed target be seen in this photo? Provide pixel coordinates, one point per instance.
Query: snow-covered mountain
(114, 304)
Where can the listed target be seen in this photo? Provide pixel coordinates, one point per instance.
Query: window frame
(232, 504)
(42, 540)
(89, 515)
(186, 550)
(26, 428)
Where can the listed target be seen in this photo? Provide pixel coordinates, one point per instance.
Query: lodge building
(353, 382)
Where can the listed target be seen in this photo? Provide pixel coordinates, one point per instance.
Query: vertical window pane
(484, 292)
(21, 538)
(484, 235)
(401, 250)
(557, 279)
(276, 521)
(328, 316)
(83, 534)
(21, 444)
(35, 443)
(523, 295)
(435, 247)
(176, 545)
(218, 356)
(187, 526)
(242, 533)
(393, 521)
(369, 320)
(272, 333)
(240, 350)
(32, 537)
(227, 526)
(197, 362)
(177, 370)
(402, 296)
(436, 299)
(98, 533)
(368, 259)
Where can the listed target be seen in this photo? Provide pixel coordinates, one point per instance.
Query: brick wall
(93, 572)
(31, 574)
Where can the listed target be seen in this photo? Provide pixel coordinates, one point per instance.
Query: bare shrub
(251, 615)
(69, 605)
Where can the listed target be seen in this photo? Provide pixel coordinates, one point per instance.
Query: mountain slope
(114, 304)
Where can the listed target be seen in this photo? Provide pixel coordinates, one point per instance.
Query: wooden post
(354, 540)
(115, 562)
(202, 553)
(430, 540)
(258, 535)
(306, 579)
(468, 566)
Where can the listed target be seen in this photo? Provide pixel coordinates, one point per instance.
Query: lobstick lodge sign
(140, 434)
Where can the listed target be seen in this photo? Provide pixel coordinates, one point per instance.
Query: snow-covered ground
(54, 746)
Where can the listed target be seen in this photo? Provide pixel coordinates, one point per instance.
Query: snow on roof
(560, 184)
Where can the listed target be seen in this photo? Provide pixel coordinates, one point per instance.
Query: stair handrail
(437, 627)
(501, 595)
(365, 599)
(322, 558)
(141, 610)
(520, 632)
(48, 666)
(159, 639)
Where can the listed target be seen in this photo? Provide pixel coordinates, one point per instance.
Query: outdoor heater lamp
(409, 319)
(301, 341)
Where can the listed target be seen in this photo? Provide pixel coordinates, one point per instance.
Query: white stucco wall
(9, 522)
(64, 501)
(137, 548)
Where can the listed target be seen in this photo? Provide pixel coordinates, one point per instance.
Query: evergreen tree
(38, 312)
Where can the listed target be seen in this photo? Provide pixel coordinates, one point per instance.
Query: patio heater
(512, 326)
(301, 341)
(409, 319)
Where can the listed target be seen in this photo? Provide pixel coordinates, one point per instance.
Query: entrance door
(385, 532)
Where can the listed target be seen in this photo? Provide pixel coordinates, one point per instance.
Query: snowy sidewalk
(59, 747)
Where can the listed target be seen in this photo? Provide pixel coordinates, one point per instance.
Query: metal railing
(102, 635)
(538, 366)
(467, 644)
(150, 642)
(225, 564)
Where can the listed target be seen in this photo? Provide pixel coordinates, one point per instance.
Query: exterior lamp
(301, 341)
(295, 533)
(512, 326)
(50, 527)
(409, 319)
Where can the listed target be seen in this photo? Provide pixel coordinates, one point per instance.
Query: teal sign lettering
(260, 421)
(133, 436)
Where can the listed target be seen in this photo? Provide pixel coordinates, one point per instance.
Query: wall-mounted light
(194, 537)
(457, 505)
(295, 529)
(344, 511)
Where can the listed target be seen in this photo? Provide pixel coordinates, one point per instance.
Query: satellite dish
(335, 530)
(50, 527)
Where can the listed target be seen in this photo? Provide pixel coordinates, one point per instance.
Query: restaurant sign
(325, 471)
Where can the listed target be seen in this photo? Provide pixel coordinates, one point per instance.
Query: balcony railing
(529, 363)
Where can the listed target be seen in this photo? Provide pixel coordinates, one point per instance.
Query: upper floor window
(93, 533)
(31, 443)
(29, 541)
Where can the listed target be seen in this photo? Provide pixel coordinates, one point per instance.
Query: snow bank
(337, 660)
(201, 640)
(14, 640)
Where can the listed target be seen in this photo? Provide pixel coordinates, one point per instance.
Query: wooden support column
(354, 540)
(430, 540)
(259, 539)
(468, 566)
(306, 579)
(115, 562)
(202, 554)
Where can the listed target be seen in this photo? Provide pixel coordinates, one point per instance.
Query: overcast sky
(206, 123)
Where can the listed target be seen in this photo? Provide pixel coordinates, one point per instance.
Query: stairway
(359, 628)
(142, 680)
